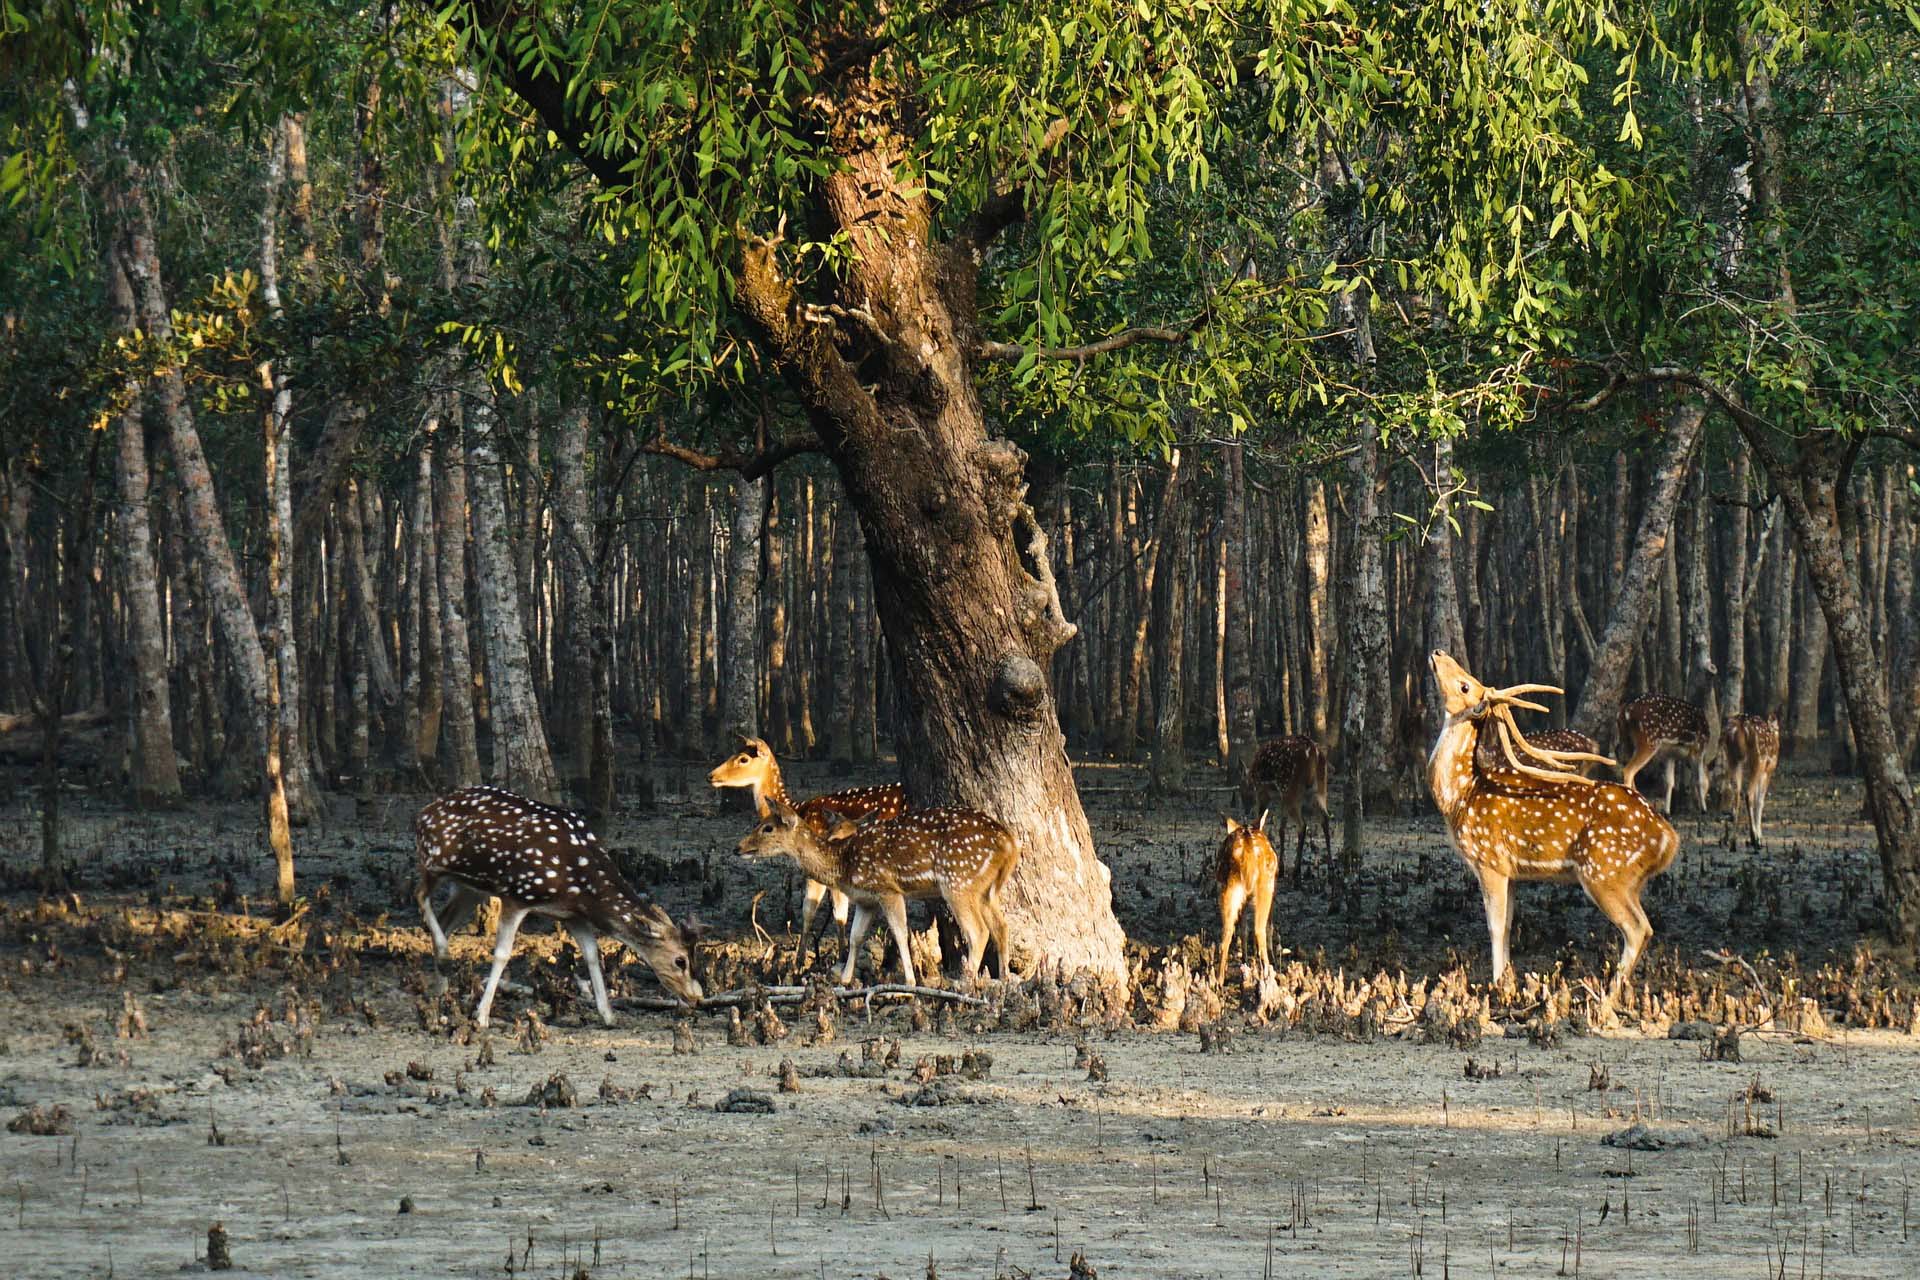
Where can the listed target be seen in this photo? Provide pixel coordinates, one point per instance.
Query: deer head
(1466, 699)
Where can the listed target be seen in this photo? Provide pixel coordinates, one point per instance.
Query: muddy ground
(311, 1087)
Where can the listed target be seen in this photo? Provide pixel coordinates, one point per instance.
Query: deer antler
(1503, 703)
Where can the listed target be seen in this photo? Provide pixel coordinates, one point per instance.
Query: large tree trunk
(1808, 488)
(521, 760)
(1364, 727)
(961, 573)
(1607, 680)
(155, 767)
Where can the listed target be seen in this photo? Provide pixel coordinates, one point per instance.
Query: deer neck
(821, 859)
(1450, 768)
(769, 791)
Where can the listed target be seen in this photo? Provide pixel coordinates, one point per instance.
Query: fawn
(960, 856)
(1245, 868)
(754, 766)
(1290, 769)
(1752, 745)
(1656, 725)
(544, 861)
(1565, 741)
(1522, 821)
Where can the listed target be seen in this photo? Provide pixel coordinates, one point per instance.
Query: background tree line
(400, 396)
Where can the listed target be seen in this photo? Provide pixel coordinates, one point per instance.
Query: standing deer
(1245, 868)
(755, 767)
(542, 861)
(1522, 821)
(1290, 769)
(1565, 741)
(1752, 745)
(962, 857)
(1656, 725)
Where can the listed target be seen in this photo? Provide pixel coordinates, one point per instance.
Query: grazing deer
(1655, 725)
(542, 861)
(960, 856)
(1246, 867)
(1522, 821)
(1289, 770)
(754, 767)
(1752, 745)
(1566, 741)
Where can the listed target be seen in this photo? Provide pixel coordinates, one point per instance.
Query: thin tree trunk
(521, 760)
(1733, 674)
(1239, 606)
(1606, 681)
(155, 766)
(1318, 560)
(574, 541)
(740, 664)
(1170, 727)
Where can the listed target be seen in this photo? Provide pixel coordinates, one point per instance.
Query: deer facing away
(1540, 821)
(960, 856)
(1752, 746)
(539, 860)
(755, 768)
(1655, 725)
(1245, 869)
(1292, 771)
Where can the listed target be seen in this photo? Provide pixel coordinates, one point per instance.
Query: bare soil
(311, 1086)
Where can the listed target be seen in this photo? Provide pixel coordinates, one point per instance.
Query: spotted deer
(1566, 741)
(1656, 725)
(1537, 819)
(539, 860)
(1245, 868)
(1290, 770)
(960, 856)
(1752, 747)
(755, 768)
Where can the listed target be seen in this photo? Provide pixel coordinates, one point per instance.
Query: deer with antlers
(539, 860)
(1752, 748)
(755, 768)
(1292, 770)
(960, 856)
(1245, 868)
(1539, 819)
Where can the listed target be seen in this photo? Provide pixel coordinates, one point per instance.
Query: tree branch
(751, 466)
(1113, 342)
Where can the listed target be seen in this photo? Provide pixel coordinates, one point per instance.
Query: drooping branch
(1111, 343)
(751, 466)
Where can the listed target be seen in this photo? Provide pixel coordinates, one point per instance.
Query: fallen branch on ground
(746, 997)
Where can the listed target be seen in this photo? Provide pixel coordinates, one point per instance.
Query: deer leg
(997, 926)
(1232, 896)
(1700, 780)
(862, 921)
(1641, 754)
(510, 918)
(423, 896)
(1666, 806)
(1623, 908)
(809, 908)
(1493, 895)
(895, 910)
(589, 945)
(1263, 909)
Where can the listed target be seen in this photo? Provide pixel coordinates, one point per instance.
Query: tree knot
(1019, 690)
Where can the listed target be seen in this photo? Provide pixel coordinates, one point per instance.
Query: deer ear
(693, 929)
(1261, 826)
(1232, 826)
